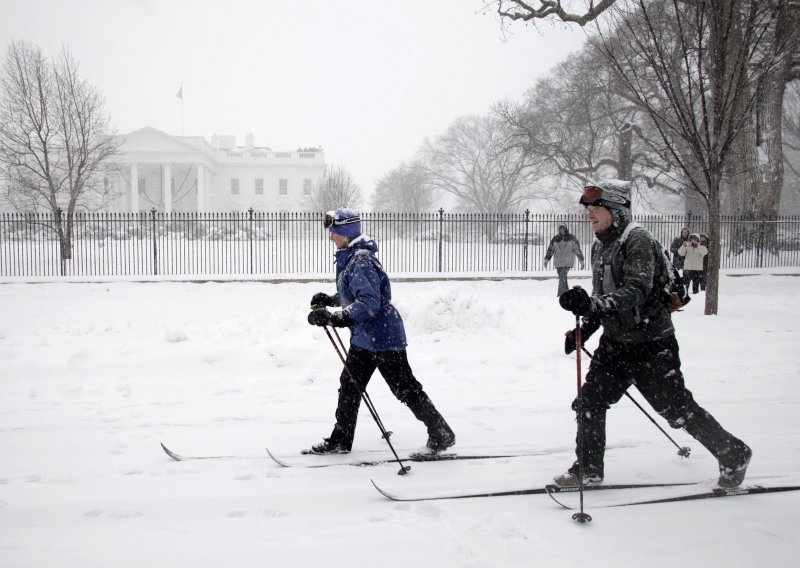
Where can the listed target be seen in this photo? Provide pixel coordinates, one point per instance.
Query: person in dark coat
(674, 247)
(564, 249)
(377, 337)
(638, 345)
(704, 241)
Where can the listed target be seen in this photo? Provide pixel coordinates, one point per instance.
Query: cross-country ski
(516, 492)
(332, 460)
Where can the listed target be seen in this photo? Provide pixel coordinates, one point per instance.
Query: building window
(234, 186)
(306, 187)
(259, 186)
(283, 187)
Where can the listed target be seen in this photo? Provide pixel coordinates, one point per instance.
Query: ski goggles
(591, 195)
(331, 220)
(596, 196)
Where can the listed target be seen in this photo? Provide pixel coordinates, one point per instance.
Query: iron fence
(253, 243)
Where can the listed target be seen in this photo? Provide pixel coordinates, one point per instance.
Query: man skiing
(377, 339)
(638, 346)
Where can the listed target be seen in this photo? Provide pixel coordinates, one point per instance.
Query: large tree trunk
(772, 90)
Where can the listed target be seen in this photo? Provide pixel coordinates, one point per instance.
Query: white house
(186, 173)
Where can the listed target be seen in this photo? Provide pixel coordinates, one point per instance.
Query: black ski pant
(394, 367)
(695, 277)
(654, 367)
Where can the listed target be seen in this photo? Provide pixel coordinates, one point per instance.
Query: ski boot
(733, 464)
(572, 477)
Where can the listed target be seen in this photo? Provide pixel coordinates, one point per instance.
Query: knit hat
(344, 222)
(613, 194)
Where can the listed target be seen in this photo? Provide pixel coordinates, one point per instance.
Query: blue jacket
(366, 297)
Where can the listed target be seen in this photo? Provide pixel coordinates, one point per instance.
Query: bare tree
(791, 140)
(55, 137)
(405, 190)
(570, 11)
(698, 69)
(474, 162)
(335, 189)
(579, 122)
(684, 64)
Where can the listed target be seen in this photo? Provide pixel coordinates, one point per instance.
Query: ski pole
(580, 516)
(404, 469)
(365, 394)
(682, 451)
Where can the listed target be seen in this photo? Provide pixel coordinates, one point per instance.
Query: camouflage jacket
(623, 276)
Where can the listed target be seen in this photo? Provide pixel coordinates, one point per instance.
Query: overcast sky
(366, 80)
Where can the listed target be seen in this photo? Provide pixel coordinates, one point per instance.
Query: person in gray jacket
(638, 345)
(564, 249)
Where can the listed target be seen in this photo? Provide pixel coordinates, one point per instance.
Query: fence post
(250, 238)
(153, 212)
(60, 234)
(525, 248)
(441, 223)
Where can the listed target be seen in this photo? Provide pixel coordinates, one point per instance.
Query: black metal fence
(252, 243)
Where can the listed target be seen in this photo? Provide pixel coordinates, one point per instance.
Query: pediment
(152, 140)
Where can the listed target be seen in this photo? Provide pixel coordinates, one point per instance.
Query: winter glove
(320, 317)
(582, 265)
(323, 317)
(588, 327)
(322, 299)
(341, 319)
(577, 301)
(545, 263)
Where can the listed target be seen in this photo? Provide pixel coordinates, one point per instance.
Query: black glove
(323, 317)
(320, 317)
(341, 319)
(577, 301)
(569, 341)
(588, 327)
(323, 299)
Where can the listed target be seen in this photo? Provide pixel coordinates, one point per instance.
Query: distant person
(693, 254)
(564, 249)
(705, 241)
(377, 337)
(677, 260)
(638, 345)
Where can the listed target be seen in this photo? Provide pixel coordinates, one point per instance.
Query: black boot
(339, 442)
(732, 454)
(440, 435)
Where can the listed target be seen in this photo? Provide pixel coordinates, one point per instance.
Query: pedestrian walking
(564, 249)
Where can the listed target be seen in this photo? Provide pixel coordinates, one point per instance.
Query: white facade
(186, 173)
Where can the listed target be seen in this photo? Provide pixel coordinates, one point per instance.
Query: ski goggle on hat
(593, 195)
(331, 220)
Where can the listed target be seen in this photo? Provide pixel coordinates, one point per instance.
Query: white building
(186, 173)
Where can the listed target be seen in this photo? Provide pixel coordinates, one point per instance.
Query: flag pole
(180, 96)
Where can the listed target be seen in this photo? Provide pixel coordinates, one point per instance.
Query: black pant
(654, 367)
(696, 278)
(397, 373)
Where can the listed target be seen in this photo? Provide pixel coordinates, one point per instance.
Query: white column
(167, 183)
(135, 188)
(201, 188)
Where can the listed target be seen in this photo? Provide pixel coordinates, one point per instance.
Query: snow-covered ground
(95, 375)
